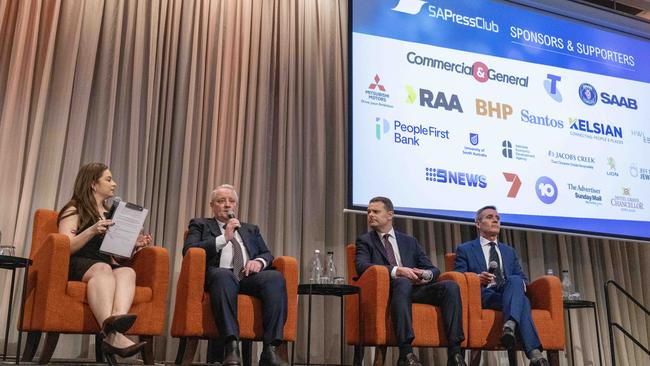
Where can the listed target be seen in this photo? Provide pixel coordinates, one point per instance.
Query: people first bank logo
(407, 133)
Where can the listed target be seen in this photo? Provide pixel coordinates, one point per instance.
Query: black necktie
(237, 257)
(390, 253)
(494, 257)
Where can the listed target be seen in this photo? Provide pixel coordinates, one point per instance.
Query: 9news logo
(546, 190)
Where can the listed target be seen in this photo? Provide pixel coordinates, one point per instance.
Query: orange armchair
(193, 318)
(55, 305)
(485, 325)
(376, 320)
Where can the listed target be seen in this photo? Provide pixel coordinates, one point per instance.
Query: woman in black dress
(110, 286)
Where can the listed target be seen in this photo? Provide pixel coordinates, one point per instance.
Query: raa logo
(409, 6)
(427, 99)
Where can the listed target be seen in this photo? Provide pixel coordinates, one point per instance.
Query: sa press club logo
(409, 6)
(546, 190)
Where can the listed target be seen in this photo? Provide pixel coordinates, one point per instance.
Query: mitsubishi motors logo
(409, 6)
(376, 84)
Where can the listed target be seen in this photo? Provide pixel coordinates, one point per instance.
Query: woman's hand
(101, 226)
(143, 241)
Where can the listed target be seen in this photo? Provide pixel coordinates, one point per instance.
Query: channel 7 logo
(546, 190)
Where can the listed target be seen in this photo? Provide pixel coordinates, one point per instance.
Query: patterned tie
(237, 259)
(390, 253)
(494, 256)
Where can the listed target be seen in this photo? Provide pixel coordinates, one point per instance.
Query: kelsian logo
(587, 94)
(478, 70)
(381, 125)
(550, 85)
(493, 109)
(596, 130)
(409, 6)
(376, 94)
(611, 164)
(521, 152)
(473, 138)
(438, 175)
(427, 99)
(516, 184)
(546, 190)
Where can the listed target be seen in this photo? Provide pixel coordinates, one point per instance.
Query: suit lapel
(505, 258)
(402, 248)
(478, 255)
(214, 227)
(376, 241)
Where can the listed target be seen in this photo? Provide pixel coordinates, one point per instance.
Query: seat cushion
(77, 290)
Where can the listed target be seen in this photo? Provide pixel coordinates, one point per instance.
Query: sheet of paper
(122, 236)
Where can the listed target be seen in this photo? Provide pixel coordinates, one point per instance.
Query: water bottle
(567, 287)
(316, 268)
(331, 269)
(549, 272)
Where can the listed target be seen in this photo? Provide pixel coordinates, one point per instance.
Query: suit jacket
(470, 258)
(370, 251)
(202, 232)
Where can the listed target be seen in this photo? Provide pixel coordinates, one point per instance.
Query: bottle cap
(330, 252)
(317, 251)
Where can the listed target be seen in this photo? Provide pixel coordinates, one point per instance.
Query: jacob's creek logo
(493, 109)
(521, 152)
(516, 184)
(589, 96)
(478, 70)
(437, 175)
(546, 190)
(589, 195)
(541, 120)
(626, 202)
(550, 85)
(611, 167)
(571, 159)
(474, 150)
(410, 134)
(433, 100)
(376, 93)
(596, 130)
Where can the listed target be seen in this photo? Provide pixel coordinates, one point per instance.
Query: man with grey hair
(503, 287)
(237, 261)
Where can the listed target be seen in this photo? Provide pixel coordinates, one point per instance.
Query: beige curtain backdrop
(180, 96)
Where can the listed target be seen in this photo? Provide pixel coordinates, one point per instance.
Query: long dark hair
(83, 199)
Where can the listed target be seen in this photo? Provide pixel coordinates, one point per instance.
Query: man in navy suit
(413, 279)
(237, 261)
(504, 286)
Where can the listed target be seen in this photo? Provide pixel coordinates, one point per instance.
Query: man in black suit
(237, 261)
(413, 279)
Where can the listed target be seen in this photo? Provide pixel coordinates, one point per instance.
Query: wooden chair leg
(358, 355)
(31, 345)
(512, 357)
(190, 349)
(246, 352)
(553, 357)
(48, 350)
(380, 355)
(182, 342)
(147, 351)
(475, 357)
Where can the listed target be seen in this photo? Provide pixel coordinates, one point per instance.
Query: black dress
(85, 257)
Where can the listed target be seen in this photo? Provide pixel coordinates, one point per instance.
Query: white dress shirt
(485, 245)
(393, 243)
(225, 261)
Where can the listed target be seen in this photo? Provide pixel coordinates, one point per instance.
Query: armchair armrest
(474, 305)
(375, 289)
(461, 280)
(189, 293)
(288, 266)
(151, 266)
(546, 293)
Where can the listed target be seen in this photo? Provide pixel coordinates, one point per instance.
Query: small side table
(12, 263)
(582, 304)
(328, 290)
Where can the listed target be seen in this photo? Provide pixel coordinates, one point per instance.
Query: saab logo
(409, 6)
(546, 190)
(596, 128)
(473, 138)
(486, 108)
(507, 149)
(611, 163)
(427, 99)
(376, 84)
(610, 99)
(459, 178)
(516, 184)
(587, 94)
(381, 124)
(550, 85)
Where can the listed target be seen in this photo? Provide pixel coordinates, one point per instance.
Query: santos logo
(546, 190)
(427, 99)
(459, 178)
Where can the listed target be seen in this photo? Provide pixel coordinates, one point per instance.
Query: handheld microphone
(231, 215)
(426, 276)
(111, 211)
(492, 267)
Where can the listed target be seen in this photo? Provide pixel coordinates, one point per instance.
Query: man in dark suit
(237, 261)
(505, 288)
(413, 279)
